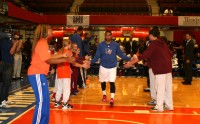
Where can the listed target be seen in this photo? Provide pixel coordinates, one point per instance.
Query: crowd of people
(72, 59)
(138, 47)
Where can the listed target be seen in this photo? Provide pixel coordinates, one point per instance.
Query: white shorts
(107, 74)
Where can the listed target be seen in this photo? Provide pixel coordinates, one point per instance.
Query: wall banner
(189, 21)
(78, 20)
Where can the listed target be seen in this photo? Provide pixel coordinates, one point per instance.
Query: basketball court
(130, 105)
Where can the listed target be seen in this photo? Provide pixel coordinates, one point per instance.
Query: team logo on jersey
(108, 51)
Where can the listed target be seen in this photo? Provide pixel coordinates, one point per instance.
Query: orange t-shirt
(63, 69)
(39, 57)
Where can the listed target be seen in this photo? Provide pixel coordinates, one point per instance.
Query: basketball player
(106, 52)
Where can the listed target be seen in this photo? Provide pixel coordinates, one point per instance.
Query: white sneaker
(4, 105)
(85, 86)
(66, 106)
(156, 110)
(56, 104)
(168, 108)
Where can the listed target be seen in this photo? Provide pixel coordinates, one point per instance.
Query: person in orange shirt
(64, 77)
(41, 60)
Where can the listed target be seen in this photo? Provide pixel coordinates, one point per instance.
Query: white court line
(154, 113)
(23, 98)
(27, 101)
(23, 103)
(103, 119)
(22, 95)
(141, 111)
(187, 106)
(19, 97)
(3, 114)
(3, 118)
(195, 112)
(1, 122)
(18, 106)
(134, 105)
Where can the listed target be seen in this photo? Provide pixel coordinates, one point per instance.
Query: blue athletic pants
(40, 86)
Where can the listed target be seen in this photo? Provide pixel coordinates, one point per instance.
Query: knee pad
(112, 87)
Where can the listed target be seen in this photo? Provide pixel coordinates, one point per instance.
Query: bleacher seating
(167, 1)
(114, 7)
(115, 1)
(47, 6)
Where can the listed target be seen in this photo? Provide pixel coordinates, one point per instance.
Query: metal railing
(77, 11)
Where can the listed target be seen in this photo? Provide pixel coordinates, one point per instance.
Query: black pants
(80, 80)
(188, 72)
(180, 63)
(6, 76)
(148, 81)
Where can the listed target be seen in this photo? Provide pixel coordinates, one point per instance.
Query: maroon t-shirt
(159, 56)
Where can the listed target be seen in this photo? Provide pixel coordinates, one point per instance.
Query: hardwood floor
(129, 91)
(130, 105)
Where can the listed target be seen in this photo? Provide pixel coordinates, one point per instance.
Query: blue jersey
(76, 38)
(107, 54)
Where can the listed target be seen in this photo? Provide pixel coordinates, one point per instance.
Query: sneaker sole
(151, 104)
(169, 109)
(64, 108)
(155, 110)
(67, 108)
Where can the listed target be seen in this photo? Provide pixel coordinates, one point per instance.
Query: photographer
(18, 58)
(7, 49)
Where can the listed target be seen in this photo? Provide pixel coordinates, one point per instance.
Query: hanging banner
(189, 20)
(78, 20)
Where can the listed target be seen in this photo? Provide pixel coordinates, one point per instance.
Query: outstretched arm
(131, 63)
(97, 55)
(85, 65)
(147, 54)
(121, 54)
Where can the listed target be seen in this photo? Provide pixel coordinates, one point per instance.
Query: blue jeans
(42, 110)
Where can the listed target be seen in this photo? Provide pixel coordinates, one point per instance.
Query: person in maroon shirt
(159, 56)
